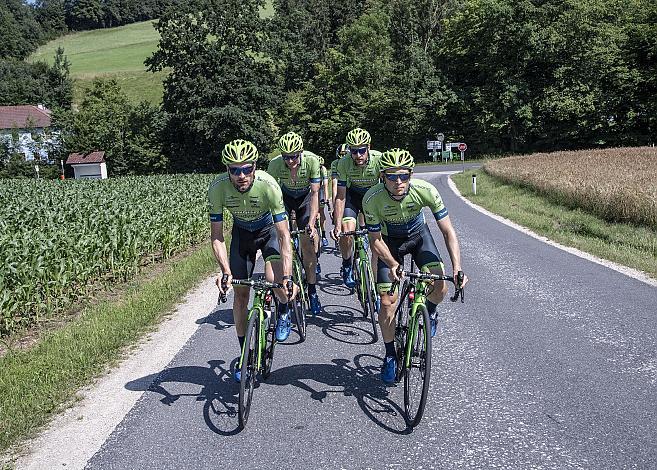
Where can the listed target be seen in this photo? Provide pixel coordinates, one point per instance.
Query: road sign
(434, 145)
(440, 137)
(463, 147)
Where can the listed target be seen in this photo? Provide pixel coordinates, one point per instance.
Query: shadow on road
(360, 380)
(221, 319)
(218, 390)
(339, 323)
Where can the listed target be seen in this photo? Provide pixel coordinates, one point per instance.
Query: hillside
(114, 52)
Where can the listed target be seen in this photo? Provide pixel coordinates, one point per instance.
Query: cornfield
(59, 240)
(618, 185)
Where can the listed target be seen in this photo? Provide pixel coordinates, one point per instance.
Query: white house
(27, 130)
(88, 165)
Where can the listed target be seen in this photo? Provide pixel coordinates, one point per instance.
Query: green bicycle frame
(257, 309)
(363, 263)
(420, 299)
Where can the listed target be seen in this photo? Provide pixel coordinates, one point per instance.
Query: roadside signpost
(462, 148)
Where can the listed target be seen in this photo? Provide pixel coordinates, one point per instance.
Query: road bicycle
(365, 285)
(413, 338)
(257, 355)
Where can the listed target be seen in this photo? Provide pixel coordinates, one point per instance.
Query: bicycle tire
(360, 293)
(270, 341)
(420, 363)
(401, 329)
(248, 369)
(370, 299)
(300, 305)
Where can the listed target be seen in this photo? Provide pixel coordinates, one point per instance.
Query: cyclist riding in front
(394, 217)
(297, 171)
(259, 223)
(356, 175)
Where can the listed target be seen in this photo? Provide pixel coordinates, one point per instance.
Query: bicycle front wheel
(270, 341)
(249, 368)
(301, 303)
(370, 298)
(416, 377)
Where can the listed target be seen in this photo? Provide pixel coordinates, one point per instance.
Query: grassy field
(618, 185)
(113, 53)
(562, 221)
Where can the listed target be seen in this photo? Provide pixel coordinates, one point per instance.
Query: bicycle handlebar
(354, 232)
(459, 291)
(260, 284)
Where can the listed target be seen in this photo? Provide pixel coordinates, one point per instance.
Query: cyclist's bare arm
(314, 205)
(219, 249)
(339, 209)
(452, 243)
(284, 242)
(380, 248)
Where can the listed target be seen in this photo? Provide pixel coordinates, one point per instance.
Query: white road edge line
(630, 272)
(76, 434)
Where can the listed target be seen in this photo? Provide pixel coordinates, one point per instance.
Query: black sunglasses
(241, 170)
(293, 156)
(403, 177)
(360, 151)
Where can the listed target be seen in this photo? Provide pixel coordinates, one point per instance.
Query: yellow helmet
(396, 158)
(239, 151)
(290, 143)
(358, 137)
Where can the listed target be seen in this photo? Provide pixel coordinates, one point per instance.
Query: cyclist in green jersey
(340, 152)
(394, 217)
(259, 223)
(356, 174)
(297, 171)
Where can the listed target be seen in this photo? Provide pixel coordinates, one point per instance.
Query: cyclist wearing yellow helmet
(298, 172)
(356, 174)
(395, 220)
(259, 223)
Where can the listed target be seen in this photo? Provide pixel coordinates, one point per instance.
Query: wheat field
(619, 184)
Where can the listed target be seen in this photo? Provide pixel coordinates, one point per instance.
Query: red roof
(21, 117)
(92, 157)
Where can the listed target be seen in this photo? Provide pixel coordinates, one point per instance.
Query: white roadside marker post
(474, 184)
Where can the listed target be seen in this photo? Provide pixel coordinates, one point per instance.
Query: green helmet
(396, 158)
(239, 151)
(341, 150)
(358, 137)
(290, 143)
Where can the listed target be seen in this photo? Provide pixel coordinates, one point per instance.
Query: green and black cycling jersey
(334, 168)
(356, 178)
(260, 206)
(308, 172)
(400, 219)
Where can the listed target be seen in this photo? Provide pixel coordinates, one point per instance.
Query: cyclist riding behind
(323, 200)
(297, 171)
(395, 220)
(259, 223)
(340, 152)
(356, 174)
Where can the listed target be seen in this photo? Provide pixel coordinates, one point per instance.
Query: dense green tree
(220, 86)
(51, 15)
(24, 83)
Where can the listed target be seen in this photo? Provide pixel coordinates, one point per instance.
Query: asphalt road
(550, 363)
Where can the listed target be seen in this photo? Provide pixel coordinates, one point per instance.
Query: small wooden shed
(88, 165)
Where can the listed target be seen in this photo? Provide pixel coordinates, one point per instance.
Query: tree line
(504, 75)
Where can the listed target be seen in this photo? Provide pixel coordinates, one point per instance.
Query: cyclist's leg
(274, 273)
(427, 258)
(239, 257)
(388, 302)
(308, 246)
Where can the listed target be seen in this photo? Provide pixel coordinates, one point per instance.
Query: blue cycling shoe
(315, 306)
(283, 327)
(324, 242)
(434, 325)
(348, 276)
(318, 269)
(389, 369)
(237, 373)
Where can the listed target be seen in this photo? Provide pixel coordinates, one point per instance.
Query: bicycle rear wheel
(249, 368)
(270, 341)
(370, 298)
(416, 378)
(360, 291)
